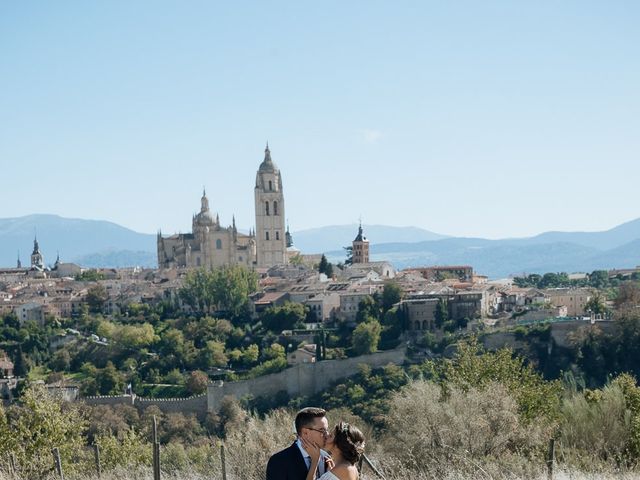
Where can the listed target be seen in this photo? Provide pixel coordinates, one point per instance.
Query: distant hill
(605, 240)
(75, 239)
(94, 243)
(334, 237)
(501, 258)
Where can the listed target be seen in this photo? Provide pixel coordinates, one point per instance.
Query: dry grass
(127, 474)
(465, 435)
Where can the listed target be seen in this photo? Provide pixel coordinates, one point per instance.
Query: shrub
(427, 428)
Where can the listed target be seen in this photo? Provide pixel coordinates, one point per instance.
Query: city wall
(304, 379)
(300, 380)
(196, 404)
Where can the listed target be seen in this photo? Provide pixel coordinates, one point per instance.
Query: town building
(6, 365)
(463, 273)
(575, 299)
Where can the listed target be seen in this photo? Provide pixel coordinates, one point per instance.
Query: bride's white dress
(328, 476)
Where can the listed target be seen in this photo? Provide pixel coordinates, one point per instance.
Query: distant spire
(217, 218)
(288, 237)
(19, 263)
(36, 247)
(233, 219)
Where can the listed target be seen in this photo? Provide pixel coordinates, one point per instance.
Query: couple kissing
(318, 452)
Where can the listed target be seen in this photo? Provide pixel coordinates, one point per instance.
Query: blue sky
(491, 119)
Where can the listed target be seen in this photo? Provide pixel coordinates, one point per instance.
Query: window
(240, 259)
(198, 261)
(266, 208)
(277, 235)
(270, 185)
(266, 236)
(275, 208)
(219, 244)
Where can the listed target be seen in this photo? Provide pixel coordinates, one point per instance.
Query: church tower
(37, 261)
(270, 225)
(360, 250)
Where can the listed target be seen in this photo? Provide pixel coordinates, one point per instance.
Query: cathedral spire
(267, 154)
(19, 263)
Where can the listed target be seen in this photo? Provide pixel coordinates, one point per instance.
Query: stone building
(575, 299)
(212, 245)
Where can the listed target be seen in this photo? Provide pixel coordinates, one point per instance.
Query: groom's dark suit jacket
(287, 464)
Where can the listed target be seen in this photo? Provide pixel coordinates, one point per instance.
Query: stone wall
(301, 380)
(559, 333)
(197, 404)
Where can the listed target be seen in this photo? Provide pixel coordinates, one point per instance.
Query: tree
(441, 313)
(109, 380)
(20, 366)
(226, 288)
(472, 367)
(96, 297)
(250, 354)
(91, 275)
(599, 279)
(38, 425)
(349, 253)
(197, 382)
(212, 355)
(296, 260)
(596, 304)
(61, 360)
(628, 295)
(325, 267)
(322, 266)
(368, 308)
(286, 317)
(391, 294)
(366, 337)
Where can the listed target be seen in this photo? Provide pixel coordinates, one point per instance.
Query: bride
(346, 444)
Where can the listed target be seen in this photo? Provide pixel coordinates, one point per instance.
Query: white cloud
(370, 135)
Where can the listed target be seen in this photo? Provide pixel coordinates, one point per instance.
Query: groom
(293, 462)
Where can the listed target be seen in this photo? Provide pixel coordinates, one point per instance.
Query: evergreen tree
(349, 252)
(441, 315)
(325, 267)
(20, 366)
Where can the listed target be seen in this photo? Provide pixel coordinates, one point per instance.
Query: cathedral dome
(204, 218)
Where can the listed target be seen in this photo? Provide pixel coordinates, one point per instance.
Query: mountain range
(95, 243)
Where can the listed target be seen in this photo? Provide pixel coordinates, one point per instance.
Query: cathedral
(212, 245)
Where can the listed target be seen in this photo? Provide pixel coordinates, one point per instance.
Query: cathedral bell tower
(270, 226)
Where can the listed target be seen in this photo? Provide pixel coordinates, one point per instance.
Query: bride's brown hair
(350, 441)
